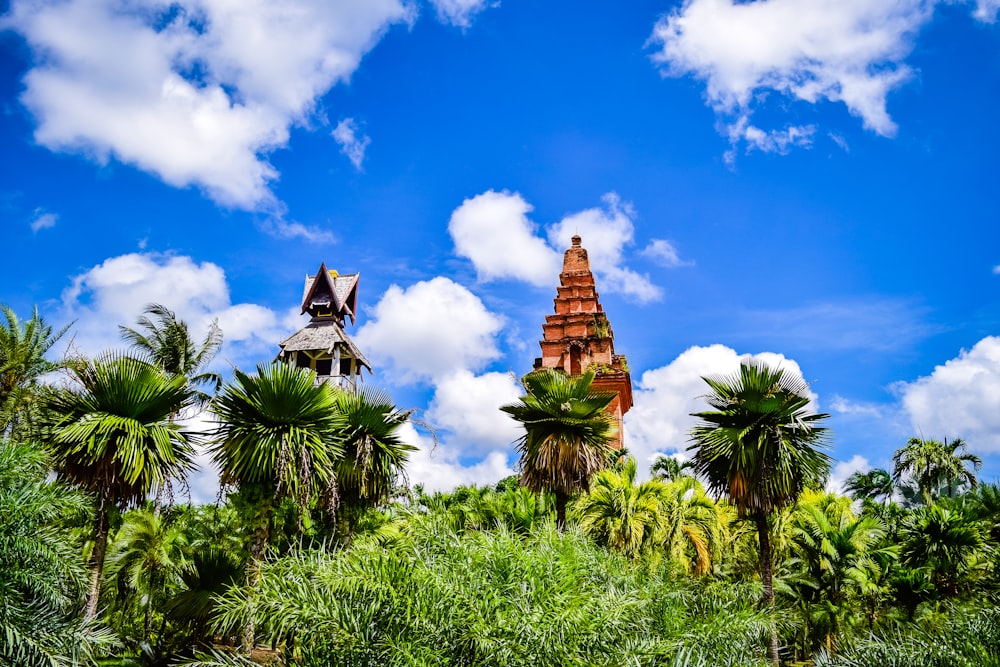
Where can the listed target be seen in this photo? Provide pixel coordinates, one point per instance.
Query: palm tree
(694, 527)
(374, 453)
(759, 446)
(945, 542)
(936, 466)
(567, 434)
(111, 435)
(42, 578)
(872, 484)
(278, 437)
(168, 343)
(23, 346)
(622, 515)
(668, 468)
(149, 553)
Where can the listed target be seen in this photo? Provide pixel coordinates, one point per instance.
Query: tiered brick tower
(578, 336)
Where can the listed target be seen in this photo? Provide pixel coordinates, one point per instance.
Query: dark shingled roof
(320, 335)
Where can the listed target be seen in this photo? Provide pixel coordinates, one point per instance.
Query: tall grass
(495, 599)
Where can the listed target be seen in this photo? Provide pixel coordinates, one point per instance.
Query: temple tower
(323, 345)
(578, 337)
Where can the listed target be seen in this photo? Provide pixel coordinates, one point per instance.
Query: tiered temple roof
(323, 345)
(578, 337)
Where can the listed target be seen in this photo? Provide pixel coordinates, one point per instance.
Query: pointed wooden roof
(331, 290)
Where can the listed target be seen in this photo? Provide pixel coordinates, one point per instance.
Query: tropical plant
(167, 341)
(148, 556)
(936, 467)
(871, 484)
(947, 543)
(374, 453)
(278, 437)
(23, 346)
(668, 468)
(42, 577)
(623, 515)
(838, 556)
(695, 527)
(567, 434)
(760, 446)
(111, 435)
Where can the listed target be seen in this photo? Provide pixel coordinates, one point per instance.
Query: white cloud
(430, 330)
(846, 406)
(996, 270)
(43, 221)
(468, 406)
(353, 142)
(282, 229)
(960, 399)
(844, 469)
(116, 291)
(460, 13)
(664, 253)
(849, 51)
(605, 233)
(660, 420)
(493, 231)
(197, 92)
(439, 468)
(767, 141)
(986, 10)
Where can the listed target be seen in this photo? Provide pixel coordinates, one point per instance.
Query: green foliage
(567, 432)
(23, 346)
(760, 445)
(41, 574)
(937, 468)
(493, 599)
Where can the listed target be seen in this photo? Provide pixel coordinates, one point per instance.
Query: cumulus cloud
(460, 13)
(844, 469)
(845, 51)
(767, 141)
(43, 220)
(197, 92)
(665, 397)
(468, 406)
(664, 253)
(960, 399)
(430, 330)
(353, 142)
(278, 227)
(606, 232)
(440, 468)
(845, 406)
(986, 10)
(494, 232)
(117, 290)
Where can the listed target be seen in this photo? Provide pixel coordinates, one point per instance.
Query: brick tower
(578, 337)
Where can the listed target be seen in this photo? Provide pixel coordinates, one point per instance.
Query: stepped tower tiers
(578, 337)
(323, 345)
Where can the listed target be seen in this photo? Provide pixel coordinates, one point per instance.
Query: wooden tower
(323, 345)
(578, 337)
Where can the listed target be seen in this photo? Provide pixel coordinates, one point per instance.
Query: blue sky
(813, 179)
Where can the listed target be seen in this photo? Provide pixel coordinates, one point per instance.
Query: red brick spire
(578, 337)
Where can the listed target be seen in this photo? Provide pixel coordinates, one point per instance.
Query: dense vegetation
(319, 553)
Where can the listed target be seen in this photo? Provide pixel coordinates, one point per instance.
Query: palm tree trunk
(95, 565)
(561, 499)
(257, 547)
(765, 576)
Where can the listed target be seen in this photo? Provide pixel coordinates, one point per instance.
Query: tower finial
(576, 240)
